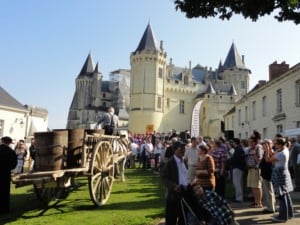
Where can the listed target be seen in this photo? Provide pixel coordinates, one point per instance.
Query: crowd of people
(13, 155)
(259, 169)
(201, 167)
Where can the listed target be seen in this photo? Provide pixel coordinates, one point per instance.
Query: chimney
(261, 83)
(161, 45)
(276, 70)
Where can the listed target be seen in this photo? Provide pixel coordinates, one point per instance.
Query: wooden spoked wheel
(101, 173)
(46, 195)
(51, 191)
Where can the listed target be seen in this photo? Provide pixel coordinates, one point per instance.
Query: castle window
(246, 113)
(240, 116)
(265, 132)
(1, 127)
(103, 95)
(243, 85)
(264, 106)
(159, 102)
(176, 81)
(254, 110)
(185, 80)
(297, 93)
(104, 104)
(279, 100)
(297, 124)
(160, 72)
(194, 84)
(181, 106)
(168, 102)
(279, 128)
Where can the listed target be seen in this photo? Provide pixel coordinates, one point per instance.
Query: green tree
(284, 10)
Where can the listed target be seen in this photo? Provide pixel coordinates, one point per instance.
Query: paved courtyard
(250, 216)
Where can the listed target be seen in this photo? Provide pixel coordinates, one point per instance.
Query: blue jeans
(285, 207)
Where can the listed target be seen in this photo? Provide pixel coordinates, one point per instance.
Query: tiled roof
(7, 100)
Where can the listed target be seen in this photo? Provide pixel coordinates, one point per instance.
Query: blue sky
(43, 44)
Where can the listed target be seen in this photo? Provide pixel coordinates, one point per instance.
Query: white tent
(292, 132)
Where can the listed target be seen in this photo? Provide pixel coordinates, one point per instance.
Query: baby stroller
(210, 209)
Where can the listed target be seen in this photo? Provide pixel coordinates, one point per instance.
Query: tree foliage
(284, 10)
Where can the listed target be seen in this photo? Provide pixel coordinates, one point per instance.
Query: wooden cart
(87, 153)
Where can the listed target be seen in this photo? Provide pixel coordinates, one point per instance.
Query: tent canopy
(292, 132)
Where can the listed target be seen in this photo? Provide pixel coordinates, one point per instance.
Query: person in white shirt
(134, 148)
(157, 152)
(147, 149)
(191, 157)
(201, 141)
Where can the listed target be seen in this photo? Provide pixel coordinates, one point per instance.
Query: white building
(20, 121)
(270, 107)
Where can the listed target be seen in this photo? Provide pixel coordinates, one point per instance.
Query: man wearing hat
(8, 161)
(174, 175)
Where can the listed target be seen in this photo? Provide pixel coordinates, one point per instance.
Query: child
(218, 209)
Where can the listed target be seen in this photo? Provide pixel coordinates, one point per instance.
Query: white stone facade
(271, 108)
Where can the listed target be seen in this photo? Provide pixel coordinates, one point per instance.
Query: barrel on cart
(63, 155)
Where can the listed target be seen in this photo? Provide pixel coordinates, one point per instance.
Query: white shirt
(134, 147)
(157, 148)
(182, 171)
(192, 155)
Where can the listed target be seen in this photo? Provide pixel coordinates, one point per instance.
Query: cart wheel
(46, 195)
(102, 173)
(54, 193)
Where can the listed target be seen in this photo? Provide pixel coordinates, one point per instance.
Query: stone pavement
(249, 216)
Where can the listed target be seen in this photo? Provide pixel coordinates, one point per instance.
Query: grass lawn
(137, 201)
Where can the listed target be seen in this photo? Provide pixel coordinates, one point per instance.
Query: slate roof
(233, 59)
(88, 66)
(148, 41)
(199, 73)
(210, 89)
(232, 90)
(7, 100)
(105, 86)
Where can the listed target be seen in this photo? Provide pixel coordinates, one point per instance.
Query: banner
(195, 123)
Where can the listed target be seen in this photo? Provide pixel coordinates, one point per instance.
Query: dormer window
(185, 80)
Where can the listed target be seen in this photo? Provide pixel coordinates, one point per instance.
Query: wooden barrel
(50, 148)
(75, 142)
(92, 131)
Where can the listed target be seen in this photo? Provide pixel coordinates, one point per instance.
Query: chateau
(161, 96)
(271, 106)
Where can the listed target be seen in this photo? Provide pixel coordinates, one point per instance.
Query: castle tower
(148, 69)
(234, 71)
(96, 88)
(86, 96)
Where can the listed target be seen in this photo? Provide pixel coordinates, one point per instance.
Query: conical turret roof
(210, 89)
(232, 90)
(148, 41)
(96, 70)
(233, 59)
(88, 66)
